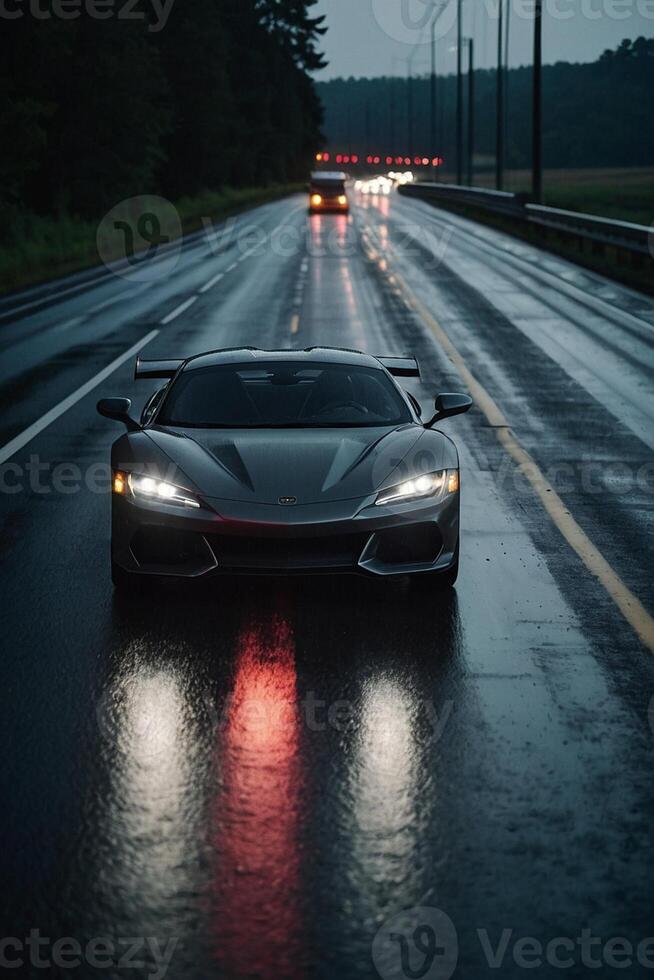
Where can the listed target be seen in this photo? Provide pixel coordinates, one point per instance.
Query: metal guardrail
(624, 234)
(638, 240)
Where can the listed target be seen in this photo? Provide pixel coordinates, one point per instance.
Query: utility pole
(459, 96)
(391, 119)
(471, 109)
(434, 154)
(367, 117)
(499, 125)
(537, 149)
(409, 107)
(395, 92)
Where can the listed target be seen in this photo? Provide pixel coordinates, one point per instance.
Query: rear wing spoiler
(156, 369)
(401, 367)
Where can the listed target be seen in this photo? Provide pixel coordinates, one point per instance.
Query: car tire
(443, 580)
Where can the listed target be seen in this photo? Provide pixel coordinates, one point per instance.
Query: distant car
(327, 192)
(253, 461)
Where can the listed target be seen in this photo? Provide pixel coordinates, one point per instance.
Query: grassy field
(38, 249)
(626, 193)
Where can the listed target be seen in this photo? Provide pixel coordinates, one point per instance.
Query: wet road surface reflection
(258, 810)
(262, 782)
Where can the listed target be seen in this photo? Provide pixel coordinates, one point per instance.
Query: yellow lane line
(295, 323)
(629, 605)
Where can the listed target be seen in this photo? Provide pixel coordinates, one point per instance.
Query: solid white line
(212, 282)
(230, 268)
(178, 311)
(8, 450)
(108, 302)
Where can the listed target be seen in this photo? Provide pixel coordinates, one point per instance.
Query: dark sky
(374, 37)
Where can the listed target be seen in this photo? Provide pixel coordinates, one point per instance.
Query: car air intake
(331, 551)
(165, 549)
(409, 545)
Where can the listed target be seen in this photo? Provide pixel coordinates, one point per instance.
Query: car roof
(328, 175)
(321, 355)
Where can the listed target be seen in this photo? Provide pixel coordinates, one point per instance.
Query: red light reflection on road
(259, 927)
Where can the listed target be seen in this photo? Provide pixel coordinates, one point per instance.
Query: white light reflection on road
(386, 783)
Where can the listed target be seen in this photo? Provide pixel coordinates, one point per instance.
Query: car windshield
(328, 186)
(283, 394)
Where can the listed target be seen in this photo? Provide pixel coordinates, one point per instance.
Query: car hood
(262, 465)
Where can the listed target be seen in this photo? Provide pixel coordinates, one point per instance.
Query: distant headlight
(428, 485)
(152, 490)
(316, 199)
(342, 199)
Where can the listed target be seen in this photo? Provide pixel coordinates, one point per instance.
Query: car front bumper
(329, 207)
(339, 537)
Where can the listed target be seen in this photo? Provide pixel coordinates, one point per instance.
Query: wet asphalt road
(256, 778)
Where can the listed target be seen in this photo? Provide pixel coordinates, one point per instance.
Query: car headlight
(427, 485)
(148, 488)
(316, 199)
(342, 199)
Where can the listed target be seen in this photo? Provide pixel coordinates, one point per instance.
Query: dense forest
(597, 114)
(94, 110)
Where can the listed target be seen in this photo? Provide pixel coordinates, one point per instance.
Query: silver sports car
(280, 462)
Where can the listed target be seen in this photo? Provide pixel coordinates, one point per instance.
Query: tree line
(96, 110)
(595, 114)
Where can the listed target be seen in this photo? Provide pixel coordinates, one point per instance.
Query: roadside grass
(623, 193)
(36, 249)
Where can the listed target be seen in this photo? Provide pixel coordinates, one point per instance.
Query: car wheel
(443, 580)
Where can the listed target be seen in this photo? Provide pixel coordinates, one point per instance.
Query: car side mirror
(118, 410)
(448, 404)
